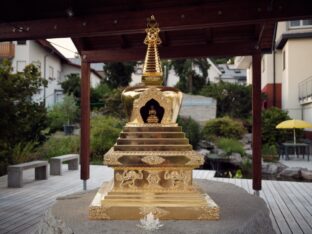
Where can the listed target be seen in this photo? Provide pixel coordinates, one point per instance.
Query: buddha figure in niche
(152, 112)
(152, 115)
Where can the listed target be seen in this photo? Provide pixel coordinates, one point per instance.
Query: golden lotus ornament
(152, 159)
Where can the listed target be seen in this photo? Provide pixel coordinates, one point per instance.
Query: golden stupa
(152, 159)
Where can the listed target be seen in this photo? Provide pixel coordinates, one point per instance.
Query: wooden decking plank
(302, 187)
(37, 206)
(286, 196)
(276, 211)
(263, 195)
(293, 225)
(26, 199)
(299, 197)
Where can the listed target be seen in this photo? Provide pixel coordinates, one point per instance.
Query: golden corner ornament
(152, 159)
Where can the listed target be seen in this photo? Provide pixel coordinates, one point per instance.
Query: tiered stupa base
(113, 205)
(153, 167)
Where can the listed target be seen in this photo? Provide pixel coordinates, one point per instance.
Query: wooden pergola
(113, 30)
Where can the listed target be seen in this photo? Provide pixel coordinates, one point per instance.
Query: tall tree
(119, 74)
(192, 73)
(21, 119)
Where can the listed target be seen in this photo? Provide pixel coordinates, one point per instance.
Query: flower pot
(270, 158)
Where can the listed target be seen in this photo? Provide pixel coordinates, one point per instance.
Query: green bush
(58, 144)
(191, 129)
(270, 134)
(223, 127)
(62, 113)
(233, 100)
(230, 146)
(104, 133)
(23, 152)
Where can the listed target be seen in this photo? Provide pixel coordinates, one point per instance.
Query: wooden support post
(256, 121)
(85, 122)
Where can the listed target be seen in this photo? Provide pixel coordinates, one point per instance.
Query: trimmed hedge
(223, 127)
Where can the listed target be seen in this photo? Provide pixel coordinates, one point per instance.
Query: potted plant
(269, 153)
(70, 111)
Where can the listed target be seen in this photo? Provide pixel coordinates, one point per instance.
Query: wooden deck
(290, 203)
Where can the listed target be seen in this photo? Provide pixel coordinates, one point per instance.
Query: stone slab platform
(240, 213)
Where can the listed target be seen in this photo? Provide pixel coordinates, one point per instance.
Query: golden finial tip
(152, 70)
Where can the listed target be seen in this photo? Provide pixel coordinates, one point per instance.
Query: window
(58, 77)
(20, 65)
(51, 72)
(21, 42)
(262, 64)
(284, 60)
(300, 23)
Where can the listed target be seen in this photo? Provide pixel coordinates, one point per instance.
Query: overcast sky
(65, 46)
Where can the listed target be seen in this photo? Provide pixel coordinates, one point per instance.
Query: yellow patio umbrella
(293, 124)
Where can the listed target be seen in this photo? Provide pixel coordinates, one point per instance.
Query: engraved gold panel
(153, 160)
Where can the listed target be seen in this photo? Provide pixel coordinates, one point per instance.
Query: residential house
(54, 67)
(287, 72)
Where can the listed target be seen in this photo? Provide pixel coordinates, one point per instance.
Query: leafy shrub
(23, 152)
(270, 134)
(230, 146)
(113, 104)
(233, 100)
(269, 153)
(104, 133)
(59, 144)
(62, 113)
(223, 127)
(191, 129)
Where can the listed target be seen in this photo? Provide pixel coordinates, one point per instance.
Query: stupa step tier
(152, 135)
(154, 129)
(156, 147)
(151, 141)
(153, 147)
(171, 204)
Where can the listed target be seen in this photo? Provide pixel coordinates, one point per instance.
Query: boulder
(247, 147)
(290, 173)
(203, 152)
(246, 138)
(221, 153)
(306, 174)
(272, 168)
(248, 152)
(236, 159)
(206, 145)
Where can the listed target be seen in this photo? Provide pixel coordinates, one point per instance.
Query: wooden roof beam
(205, 15)
(136, 54)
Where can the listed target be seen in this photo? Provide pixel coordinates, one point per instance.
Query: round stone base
(240, 212)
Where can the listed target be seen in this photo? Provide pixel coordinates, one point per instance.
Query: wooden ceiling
(113, 30)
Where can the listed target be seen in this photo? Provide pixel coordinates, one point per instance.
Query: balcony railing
(7, 50)
(305, 90)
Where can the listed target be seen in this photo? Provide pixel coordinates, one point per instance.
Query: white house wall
(37, 53)
(21, 54)
(32, 52)
(69, 69)
(298, 53)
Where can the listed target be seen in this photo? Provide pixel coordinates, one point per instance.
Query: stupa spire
(152, 71)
